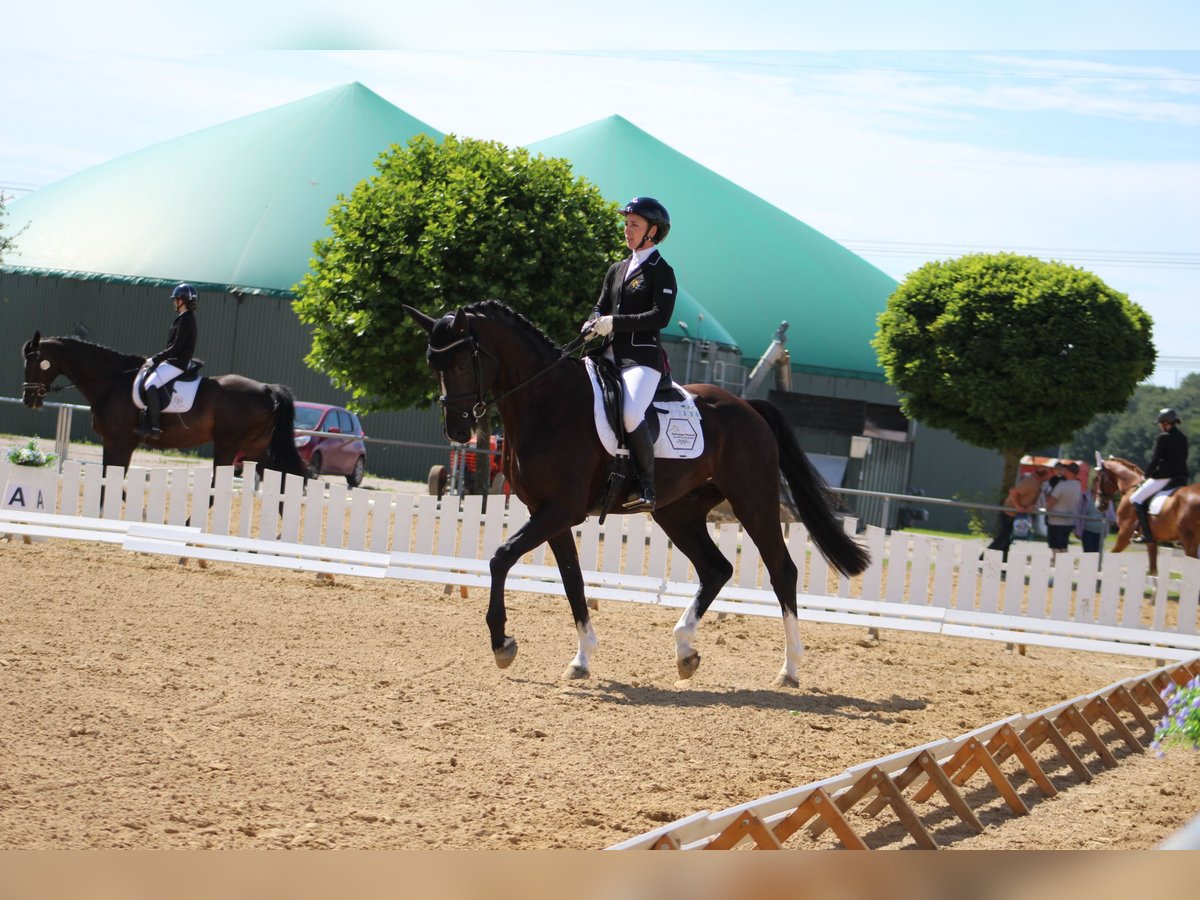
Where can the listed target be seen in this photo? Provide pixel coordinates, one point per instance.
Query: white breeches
(1148, 489)
(640, 384)
(163, 373)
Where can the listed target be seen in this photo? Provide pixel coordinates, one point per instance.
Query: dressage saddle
(192, 374)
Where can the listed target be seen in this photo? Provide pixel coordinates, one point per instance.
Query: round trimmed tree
(442, 225)
(1010, 352)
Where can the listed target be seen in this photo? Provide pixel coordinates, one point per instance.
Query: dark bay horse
(233, 412)
(1178, 521)
(556, 465)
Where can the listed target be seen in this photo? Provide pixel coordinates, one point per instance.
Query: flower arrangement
(1181, 724)
(30, 455)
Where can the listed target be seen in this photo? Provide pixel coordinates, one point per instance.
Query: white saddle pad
(679, 437)
(1156, 503)
(182, 397)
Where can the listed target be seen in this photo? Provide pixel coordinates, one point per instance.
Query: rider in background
(1169, 463)
(172, 361)
(636, 302)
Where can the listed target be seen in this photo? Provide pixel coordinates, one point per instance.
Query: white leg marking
(587, 646)
(685, 632)
(793, 648)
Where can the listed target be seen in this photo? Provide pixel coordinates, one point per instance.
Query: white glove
(602, 326)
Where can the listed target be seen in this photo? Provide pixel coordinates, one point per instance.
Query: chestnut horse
(233, 412)
(486, 354)
(1178, 520)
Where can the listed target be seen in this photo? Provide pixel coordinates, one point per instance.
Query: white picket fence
(915, 582)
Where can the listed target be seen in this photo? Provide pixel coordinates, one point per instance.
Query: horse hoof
(507, 653)
(574, 672)
(784, 680)
(688, 665)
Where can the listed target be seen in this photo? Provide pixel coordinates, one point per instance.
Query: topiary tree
(1009, 352)
(442, 225)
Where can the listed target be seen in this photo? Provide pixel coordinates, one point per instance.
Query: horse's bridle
(40, 390)
(480, 408)
(482, 405)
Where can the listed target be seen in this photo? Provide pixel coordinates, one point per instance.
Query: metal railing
(62, 434)
(62, 427)
(913, 500)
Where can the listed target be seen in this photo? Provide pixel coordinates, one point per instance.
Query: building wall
(943, 466)
(940, 464)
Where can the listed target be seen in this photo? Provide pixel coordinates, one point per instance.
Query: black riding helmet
(186, 293)
(653, 212)
(1168, 415)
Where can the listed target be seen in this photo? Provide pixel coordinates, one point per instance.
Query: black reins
(482, 405)
(41, 390)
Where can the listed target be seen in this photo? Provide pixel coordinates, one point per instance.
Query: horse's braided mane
(1127, 464)
(71, 339)
(491, 308)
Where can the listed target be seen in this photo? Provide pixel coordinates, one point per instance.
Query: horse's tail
(281, 452)
(814, 501)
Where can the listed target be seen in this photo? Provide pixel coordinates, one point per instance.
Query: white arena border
(939, 768)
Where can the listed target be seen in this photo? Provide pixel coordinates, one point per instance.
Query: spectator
(1022, 500)
(1062, 506)
(1059, 473)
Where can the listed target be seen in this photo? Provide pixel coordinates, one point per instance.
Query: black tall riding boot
(641, 451)
(152, 427)
(1143, 514)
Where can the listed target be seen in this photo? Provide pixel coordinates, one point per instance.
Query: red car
(339, 451)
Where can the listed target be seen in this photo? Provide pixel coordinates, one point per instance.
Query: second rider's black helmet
(653, 212)
(1168, 415)
(186, 293)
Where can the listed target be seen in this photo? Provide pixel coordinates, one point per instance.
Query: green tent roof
(689, 311)
(750, 263)
(235, 205)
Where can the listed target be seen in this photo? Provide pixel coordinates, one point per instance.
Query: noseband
(480, 408)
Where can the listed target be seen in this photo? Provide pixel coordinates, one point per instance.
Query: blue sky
(1083, 144)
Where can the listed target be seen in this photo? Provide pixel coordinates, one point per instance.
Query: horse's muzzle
(459, 431)
(32, 395)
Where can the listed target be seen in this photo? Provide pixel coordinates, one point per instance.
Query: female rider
(636, 301)
(1168, 463)
(172, 361)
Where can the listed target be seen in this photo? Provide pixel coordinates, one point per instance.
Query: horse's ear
(460, 325)
(37, 340)
(1099, 460)
(426, 322)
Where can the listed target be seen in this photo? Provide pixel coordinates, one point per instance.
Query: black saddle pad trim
(192, 373)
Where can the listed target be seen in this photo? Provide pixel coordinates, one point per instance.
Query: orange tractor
(462, 475)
